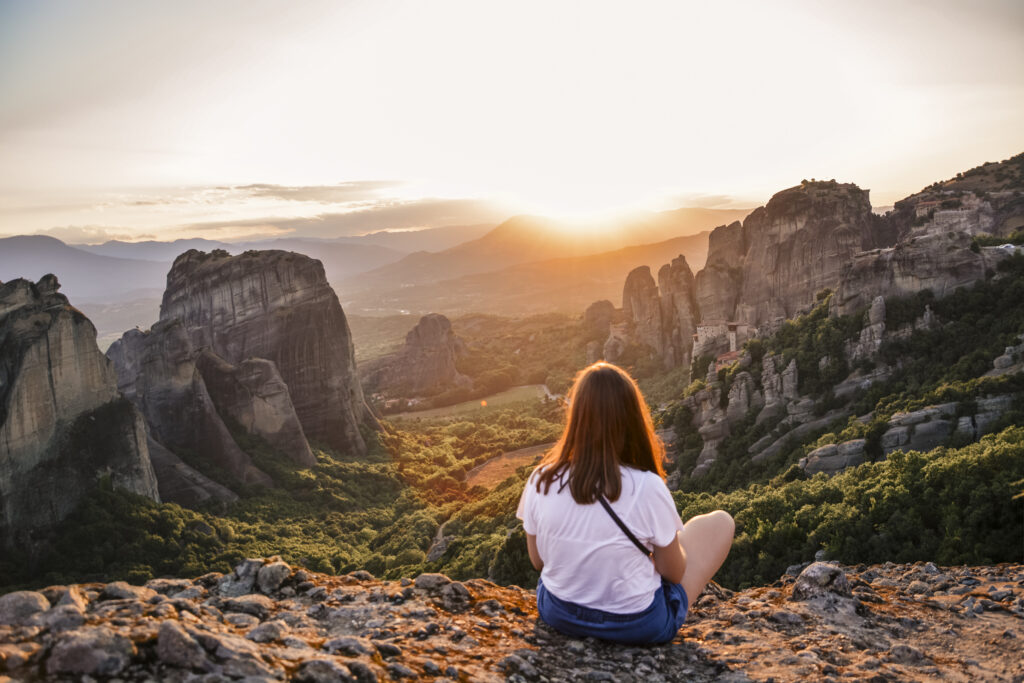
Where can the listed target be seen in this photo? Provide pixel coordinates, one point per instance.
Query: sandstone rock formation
(678, 311)
(663, 316)
(597, 319)
(267, 621)
(719, 283)
(641, 305)
(940, 262)
(156, 370)
(772, 266)
(797, 245)
(254, 396)
(424, 366)
(179, 483)
(63, 426)
(277, 306)
(871, 335)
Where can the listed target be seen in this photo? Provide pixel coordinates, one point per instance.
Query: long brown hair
(608, 425)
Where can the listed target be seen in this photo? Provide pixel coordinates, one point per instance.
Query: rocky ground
(266, 622)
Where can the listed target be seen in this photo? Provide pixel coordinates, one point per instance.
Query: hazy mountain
(82, 275)
(121, 292)
(395, 242)
(152, 250)
(341, 259)
(525, 239)
(428, 239)
(565, 284)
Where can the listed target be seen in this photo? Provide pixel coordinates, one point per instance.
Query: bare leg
(706, 540)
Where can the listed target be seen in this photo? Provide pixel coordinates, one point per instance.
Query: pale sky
(227, 118)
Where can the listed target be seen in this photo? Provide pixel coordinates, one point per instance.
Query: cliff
(157, 371)
(936, 261)
(277, 306)
(63, 427)
(718, 284)
(268, 621)
(424, 366)
(663, 316)
(797, 245)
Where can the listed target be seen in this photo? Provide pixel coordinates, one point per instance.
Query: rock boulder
(424, 366)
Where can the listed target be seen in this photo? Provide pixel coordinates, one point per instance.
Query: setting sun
(575, 112)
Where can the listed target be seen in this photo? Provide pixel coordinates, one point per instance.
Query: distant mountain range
(524, 265)
(565, 284)
(83, 276)
(528, 239)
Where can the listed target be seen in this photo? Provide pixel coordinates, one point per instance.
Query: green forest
(959, 503)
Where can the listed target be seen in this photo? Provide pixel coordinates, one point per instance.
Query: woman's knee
(725, 521)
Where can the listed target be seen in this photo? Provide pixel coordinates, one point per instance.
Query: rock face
(663, 316)
(772, 266)
(424, 366)
(63, 426)
(156, 371)
(719, 283)
(871, 335)
(598, 317)
(940, 262)
(678, 311)
(255, 397)
(915, 622)
(179, 483)
(798, 244)
(277, 306)
(642, 306)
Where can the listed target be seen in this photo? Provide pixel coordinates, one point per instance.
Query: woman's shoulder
(643, 479)
(538, 471)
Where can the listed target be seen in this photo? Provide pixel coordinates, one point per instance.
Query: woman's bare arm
(670, 560)
(531, 546)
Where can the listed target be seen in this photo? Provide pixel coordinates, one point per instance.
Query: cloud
(714, 201)
(384, 215)
(341, 193)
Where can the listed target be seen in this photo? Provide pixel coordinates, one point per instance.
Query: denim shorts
(659, 623)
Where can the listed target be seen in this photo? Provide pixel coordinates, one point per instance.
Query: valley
(849, 386)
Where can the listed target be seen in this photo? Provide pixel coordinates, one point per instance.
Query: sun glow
(577, 111)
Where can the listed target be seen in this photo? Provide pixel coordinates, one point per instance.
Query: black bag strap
(608, 508)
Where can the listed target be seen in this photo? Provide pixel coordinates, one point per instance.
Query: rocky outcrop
(916, 430)
(156, 370)
(615, 345)
(253, 395)
(871, 335)
(424, 366)
(834, 458)
(63, 426)
(719, 283)
(940, 262)
(797, 246)
(661, 317)
(182, 484)
(597, 319)
(678, 311)
(277, 306)
(266, 620)
(772, 266)
(1011, 360)
(641, 305)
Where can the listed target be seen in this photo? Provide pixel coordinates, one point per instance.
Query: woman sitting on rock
(616, 561)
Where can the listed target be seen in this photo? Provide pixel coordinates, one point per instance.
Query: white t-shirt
(588, 560)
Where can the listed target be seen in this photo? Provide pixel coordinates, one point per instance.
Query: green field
(528, 392)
